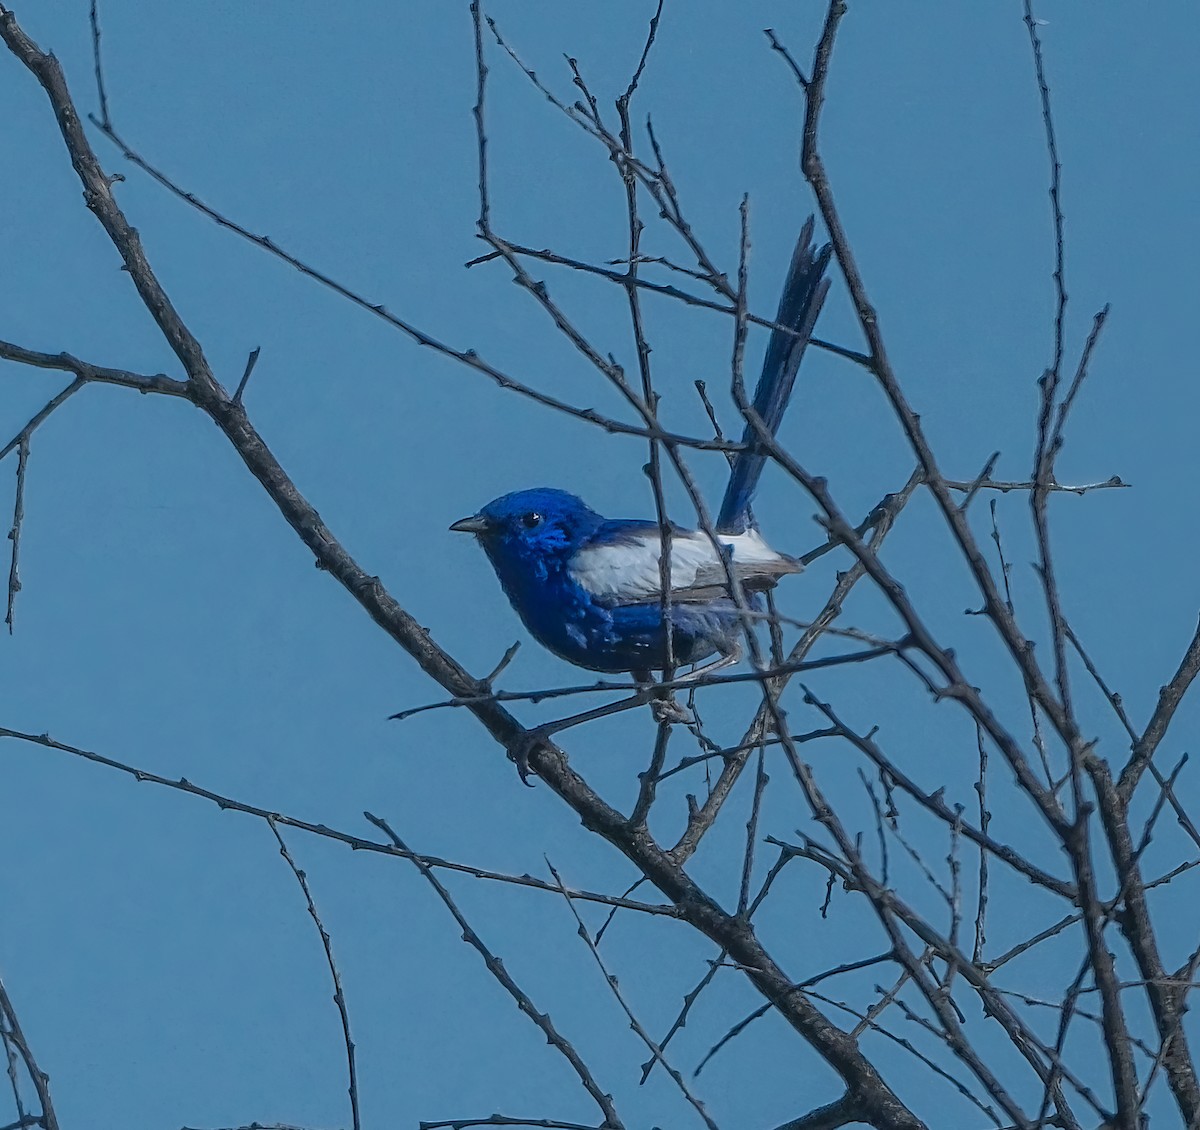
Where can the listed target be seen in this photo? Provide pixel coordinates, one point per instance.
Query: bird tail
(803, 295)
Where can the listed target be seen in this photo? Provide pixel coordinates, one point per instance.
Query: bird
(589, 588)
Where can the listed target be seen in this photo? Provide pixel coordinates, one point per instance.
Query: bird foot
(666, 710)
(522, 746)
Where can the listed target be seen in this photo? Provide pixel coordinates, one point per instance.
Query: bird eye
(533, 518)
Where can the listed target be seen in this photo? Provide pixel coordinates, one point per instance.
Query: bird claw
(520, 749)
(666, 710)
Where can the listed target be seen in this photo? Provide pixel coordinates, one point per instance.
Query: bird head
(538, 525)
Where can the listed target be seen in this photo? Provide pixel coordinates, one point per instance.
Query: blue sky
(157, 948)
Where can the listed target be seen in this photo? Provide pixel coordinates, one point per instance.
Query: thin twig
(644, 692)
(496, 968)
(1169, 698)
(504, 1120)
(101, 93)
(797, 73)
(40, 1080)
(634, 1023)
(251, 361)
(356, 843)
(41, 415)
(14, 534)
(935, 802)
(985, 817)
(339, 998)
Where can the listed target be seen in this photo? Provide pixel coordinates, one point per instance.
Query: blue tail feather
(803, 295)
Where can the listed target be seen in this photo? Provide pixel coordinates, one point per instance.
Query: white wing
(625, 570)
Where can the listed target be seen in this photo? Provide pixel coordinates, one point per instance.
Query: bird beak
(475, 524)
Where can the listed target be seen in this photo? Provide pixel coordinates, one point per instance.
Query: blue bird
(589, 588)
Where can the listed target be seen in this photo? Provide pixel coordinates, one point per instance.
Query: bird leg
(662, 705)
(666, 709)
(726, 659)
(522, 746)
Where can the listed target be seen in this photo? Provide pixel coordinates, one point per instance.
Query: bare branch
(65, 363)
(14, 1037)
(1169, 699)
